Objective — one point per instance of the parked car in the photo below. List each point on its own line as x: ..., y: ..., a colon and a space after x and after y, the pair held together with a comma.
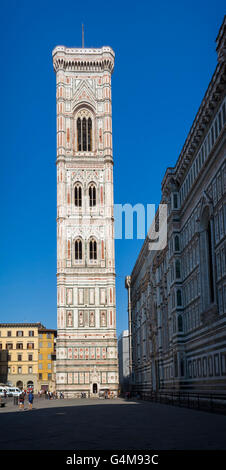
x: 3, y: 394
x: 13, y: 391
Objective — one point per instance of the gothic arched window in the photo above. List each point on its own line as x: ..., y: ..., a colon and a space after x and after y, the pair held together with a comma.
x: 92, y: 195
x: 79, y: 135
x: 78, y: 195
x: 92, y: 249
x: 210, y: 261
x: 89, y: 134
x: 177, y: 269
x: 78, y: 249
x: 180, y: 323
x: 176, y: 243
x: 207, y: 258
x: 179, y: 298
x: 84, y: 134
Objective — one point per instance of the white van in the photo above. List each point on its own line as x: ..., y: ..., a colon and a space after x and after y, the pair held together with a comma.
x: 13, y: 392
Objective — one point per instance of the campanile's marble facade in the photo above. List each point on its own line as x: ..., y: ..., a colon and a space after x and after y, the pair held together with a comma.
x: 86, y: 321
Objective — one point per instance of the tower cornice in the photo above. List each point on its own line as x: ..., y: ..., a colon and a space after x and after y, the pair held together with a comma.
x: 83, y: 59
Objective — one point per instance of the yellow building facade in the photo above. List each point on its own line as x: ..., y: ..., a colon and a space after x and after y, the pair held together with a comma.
x: 46, y: 359
x: 27, y: 356
x: 21, y: 341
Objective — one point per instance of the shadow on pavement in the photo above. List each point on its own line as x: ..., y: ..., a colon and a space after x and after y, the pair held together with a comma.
x: 109, y: 426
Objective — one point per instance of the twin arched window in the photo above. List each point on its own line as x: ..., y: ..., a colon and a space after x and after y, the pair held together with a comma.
x: 92, y: 249
x: 92, y: 195
x: 84, y: 134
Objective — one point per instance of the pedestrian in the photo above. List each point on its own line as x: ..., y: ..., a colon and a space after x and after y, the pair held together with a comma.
x: 21, y: 401
x: 30, y: 399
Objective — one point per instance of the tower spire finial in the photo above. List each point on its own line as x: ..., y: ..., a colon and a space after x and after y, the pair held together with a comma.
x: 83, y: 35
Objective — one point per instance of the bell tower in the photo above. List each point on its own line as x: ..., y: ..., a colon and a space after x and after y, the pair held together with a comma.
x: 86, y: 317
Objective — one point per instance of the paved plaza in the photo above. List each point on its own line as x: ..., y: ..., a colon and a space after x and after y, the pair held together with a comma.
x: 109, y: 424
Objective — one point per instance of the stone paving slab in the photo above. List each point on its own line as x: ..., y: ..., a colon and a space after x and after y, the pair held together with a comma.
x: 109, y: 424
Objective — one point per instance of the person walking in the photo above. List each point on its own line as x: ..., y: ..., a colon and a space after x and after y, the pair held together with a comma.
x: 21, y: 401
x: 30, y: 399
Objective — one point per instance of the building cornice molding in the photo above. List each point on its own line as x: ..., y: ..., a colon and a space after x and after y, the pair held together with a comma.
x: 83, y: 59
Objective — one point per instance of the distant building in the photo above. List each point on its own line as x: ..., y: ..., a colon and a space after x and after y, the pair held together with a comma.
x: 123, y: 360
x: 20, y: 340
x: 46, y: 359
x: 20, y: 346
x: 177, y: 296
x: 3, y: 365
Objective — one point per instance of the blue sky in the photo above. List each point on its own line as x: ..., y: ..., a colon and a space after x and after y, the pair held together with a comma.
x: 165, y: 57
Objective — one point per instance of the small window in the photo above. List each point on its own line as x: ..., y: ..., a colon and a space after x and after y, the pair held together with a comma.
x: 19, y: 370
x: 78, y: 249
x: 30, y: 357
x: 219, y: 121
x: 20, y: 333
x: 19, y: 357
x: 92, y: 249
x: 30, y: 345
x: 175, y: 201
x: 40, y: 376
x: 30, y: 369
x: 9, y: 334
x: 79, y: 135
x: 177, y: 243
x: 182, y: 367
x: 179, y: 298
x: 49, y: 376
x: 89, y: 134
x: 84, y: 135
x: 180, y: 323
x: 78, y: 195
x: 177, y: 268
x: 216, y: 129
x: 92, y: 195
x: 212, y: 136
x: 31, y: 333
x: 19, y: 346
